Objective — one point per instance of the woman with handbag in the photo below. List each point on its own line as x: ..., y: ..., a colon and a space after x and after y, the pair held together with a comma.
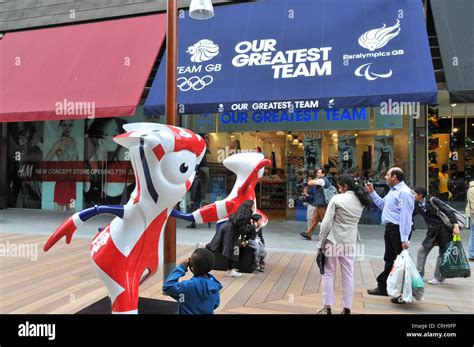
x: 438, y: 234
x: 338, y: 238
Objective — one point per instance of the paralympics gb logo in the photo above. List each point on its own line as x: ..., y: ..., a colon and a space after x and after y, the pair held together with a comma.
x: 377, y: 38
x: 195, y: 82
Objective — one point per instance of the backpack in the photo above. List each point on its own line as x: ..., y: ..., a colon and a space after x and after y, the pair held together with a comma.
x: 329, y: 193
x: 462, y: 222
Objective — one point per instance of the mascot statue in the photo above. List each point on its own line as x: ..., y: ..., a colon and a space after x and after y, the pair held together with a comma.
x: 125, y: 252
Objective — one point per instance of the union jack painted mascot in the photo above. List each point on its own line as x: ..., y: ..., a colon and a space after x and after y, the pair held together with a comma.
x: 125, y: 253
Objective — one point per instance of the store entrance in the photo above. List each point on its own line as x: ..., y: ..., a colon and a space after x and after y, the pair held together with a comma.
x: 450, y: 153
x: 271, y: 191
x: 294, y: 155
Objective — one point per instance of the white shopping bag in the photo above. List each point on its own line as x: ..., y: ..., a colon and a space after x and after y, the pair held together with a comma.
x: 417, y: 284
x: 404, y: 279
x: 407, y: 292
x: 396, y: 277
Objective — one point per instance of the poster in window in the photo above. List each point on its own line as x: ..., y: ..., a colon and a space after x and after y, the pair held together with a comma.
x: 111, y: 178
x: 347, y: 154
x: 312, y: 152
x: 25, y: 153
x: 383, y: 155
x: 62, y: 165
x: 218, y: 187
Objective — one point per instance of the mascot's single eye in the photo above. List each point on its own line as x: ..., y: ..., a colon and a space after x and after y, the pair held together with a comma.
x: 183, y: 168
x: 178, y: 167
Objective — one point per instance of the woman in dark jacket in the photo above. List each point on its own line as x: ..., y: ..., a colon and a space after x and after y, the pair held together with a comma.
x: 437, y: 234
x: 226, y: 239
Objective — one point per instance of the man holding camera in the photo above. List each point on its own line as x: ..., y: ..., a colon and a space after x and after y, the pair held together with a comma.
x: 397, y: 211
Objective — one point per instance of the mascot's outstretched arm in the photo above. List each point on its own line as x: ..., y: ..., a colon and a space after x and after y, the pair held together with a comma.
x: 71, y: 224
x: 209, y: 213
x: 250, y: 181
x: 249, y: 168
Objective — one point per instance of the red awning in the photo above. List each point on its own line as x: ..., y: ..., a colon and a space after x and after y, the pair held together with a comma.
x: 78, y: 71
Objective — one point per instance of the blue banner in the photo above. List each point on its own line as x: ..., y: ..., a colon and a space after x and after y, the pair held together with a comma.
x: 301, y: 55
x: 329, y: 119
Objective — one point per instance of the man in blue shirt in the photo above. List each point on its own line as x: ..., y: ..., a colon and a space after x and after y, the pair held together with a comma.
x: 397, y: 211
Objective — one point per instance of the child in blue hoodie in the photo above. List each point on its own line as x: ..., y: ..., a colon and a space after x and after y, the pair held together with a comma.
x: 200, y: 294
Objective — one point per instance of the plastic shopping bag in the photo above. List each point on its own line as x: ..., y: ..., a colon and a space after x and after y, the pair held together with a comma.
x: 454, y: 262
x: 396, y: 276
x: 407, y: 292
x: 417, y: 284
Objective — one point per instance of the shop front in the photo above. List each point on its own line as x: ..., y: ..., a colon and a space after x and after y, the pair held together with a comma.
x: 69, y: 165
x: 451, y: 121
x: 68, y: 90
x: 283, y: 80
x: 288, y: 80
x: 450, y: 150
x: 359, y: 141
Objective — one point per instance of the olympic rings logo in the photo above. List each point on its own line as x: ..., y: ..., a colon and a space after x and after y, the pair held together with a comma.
x: 194, y: 82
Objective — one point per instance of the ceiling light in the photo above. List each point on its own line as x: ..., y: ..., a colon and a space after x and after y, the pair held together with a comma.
x: 201, y: 9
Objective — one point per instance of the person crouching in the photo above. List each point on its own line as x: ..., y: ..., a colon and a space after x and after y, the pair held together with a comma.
x: 200, y: 294
x: 258, y: 243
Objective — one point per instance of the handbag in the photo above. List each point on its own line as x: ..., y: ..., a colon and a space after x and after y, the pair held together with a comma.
x: 320, y: 258
x: 460, y: 218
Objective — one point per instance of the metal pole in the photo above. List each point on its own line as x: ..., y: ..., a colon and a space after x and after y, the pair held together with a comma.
x: 169, y: 245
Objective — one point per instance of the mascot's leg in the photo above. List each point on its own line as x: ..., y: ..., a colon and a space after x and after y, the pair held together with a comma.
x: 124, y: 297
x: 127, y: 302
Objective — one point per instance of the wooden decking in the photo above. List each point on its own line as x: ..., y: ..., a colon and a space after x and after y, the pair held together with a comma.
x: 63, y: 281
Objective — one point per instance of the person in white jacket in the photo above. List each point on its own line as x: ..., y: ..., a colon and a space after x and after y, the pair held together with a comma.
x: 338, y: 238
x: 470, y: 213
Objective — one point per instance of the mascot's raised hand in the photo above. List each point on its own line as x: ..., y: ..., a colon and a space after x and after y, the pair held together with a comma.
x: 249, y: 169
